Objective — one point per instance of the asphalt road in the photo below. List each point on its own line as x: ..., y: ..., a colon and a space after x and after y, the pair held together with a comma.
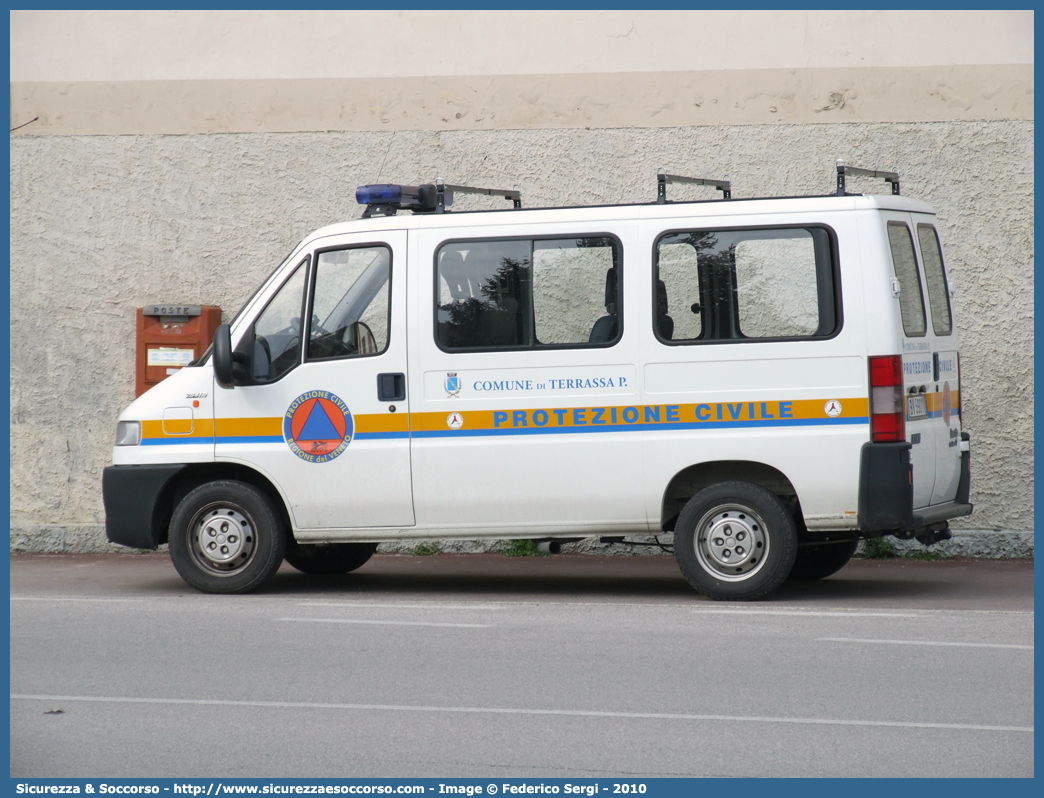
x: 485, y: 666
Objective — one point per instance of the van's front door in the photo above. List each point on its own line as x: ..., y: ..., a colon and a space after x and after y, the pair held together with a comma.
x: 324, y: 413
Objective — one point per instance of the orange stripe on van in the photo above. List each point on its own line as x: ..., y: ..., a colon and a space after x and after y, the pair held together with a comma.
x: 201, y: 428
x: 382, y: 422
x: 249, y: 427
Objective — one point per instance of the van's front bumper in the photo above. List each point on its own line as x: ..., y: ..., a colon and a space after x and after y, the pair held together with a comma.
x: 886, y: 491
x: 137, y: 503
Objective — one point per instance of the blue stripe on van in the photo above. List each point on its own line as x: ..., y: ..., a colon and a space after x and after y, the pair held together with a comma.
x: 797, y: 422
x: 470, y: 433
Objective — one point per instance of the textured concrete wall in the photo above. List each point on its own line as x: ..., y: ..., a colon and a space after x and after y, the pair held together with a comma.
x: 204, y: 45
x: 101, y: 225
x: 121, y: 72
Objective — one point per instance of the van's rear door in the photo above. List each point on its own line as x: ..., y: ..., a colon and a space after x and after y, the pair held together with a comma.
x: 945, y: 407
x: 918, y: 347
x: 933, y: 424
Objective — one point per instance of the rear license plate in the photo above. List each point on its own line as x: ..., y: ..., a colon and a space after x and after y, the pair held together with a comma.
x: 916, y: 406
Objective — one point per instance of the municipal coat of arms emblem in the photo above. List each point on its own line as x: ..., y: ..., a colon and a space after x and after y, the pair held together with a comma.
x: 452, y: 384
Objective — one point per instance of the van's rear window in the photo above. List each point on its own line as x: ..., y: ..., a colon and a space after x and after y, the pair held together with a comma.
x: 911, y: 300
x: 935, y: 276
x: 743, y: 284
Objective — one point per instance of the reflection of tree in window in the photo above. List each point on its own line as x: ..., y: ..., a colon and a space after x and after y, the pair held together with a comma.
x: 592, y: 242
x: 495, y: 317
x: 522, y: 293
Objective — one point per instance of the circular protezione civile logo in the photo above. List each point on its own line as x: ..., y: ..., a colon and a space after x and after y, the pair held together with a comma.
x: 318, y: 426
x: 832, y: 408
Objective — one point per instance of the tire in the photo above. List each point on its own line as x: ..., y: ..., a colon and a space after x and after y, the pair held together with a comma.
x: 754, y: 548
x: 207, y: 552
x: 332, y: 559
x: 818, y: 562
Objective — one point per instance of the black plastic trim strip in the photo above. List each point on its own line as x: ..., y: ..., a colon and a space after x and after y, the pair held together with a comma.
x: 940, y: 512
x: 964, y: 485
x: 885, y: 487
x: 132, y: 496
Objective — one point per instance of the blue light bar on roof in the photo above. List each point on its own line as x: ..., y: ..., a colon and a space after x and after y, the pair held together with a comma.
x: 421, y: 197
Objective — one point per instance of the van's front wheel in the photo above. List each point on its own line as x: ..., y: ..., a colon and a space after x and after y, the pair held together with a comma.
x: 735, y: 541
x: 226, y: 537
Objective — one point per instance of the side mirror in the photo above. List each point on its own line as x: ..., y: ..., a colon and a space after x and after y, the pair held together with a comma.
x: 359, y: 338
x: 223, y: 356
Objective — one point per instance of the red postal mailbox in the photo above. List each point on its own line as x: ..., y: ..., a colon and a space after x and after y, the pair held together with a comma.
x: 169, y: 338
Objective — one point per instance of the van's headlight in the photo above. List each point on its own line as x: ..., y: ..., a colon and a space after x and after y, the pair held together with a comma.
x: 128, y: 433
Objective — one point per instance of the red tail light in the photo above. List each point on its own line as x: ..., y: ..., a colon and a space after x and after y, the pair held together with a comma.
x: 887, y: 403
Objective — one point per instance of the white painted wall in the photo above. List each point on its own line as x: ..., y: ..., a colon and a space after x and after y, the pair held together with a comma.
x: 250, y: 45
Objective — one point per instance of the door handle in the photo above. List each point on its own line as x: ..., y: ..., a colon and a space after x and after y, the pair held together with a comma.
x: 391, y: 387
x: 935, y: 366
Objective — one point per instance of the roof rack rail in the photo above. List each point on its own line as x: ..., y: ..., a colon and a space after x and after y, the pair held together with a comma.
x: 842, y: 170
x: 662, y: 179
x: 386, y: 199
x: 442, y: 189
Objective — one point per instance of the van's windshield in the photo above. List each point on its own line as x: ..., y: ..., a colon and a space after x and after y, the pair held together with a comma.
x: 202, y: 359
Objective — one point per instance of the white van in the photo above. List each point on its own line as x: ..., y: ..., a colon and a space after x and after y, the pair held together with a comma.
x: 766, y: 381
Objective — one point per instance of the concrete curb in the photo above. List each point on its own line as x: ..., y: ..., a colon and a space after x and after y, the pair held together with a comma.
x: 982, y: 543
x: 57, y: 538
x: 90, y: 539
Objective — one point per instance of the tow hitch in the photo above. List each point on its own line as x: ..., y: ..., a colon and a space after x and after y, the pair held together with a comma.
x: 929, y: 534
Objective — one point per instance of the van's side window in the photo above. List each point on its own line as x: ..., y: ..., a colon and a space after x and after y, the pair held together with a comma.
x: 351, y: 303
x: 529, y: 293
x: 714, y: 285
x: 935, y: 276
x: 911, y: 300
x: 277, y: 331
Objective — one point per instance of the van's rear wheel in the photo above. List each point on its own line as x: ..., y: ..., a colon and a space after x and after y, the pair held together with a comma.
x: 735, y: 541
x: 821, y: 560
x: 332, y: 559
x: 226, y: 537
